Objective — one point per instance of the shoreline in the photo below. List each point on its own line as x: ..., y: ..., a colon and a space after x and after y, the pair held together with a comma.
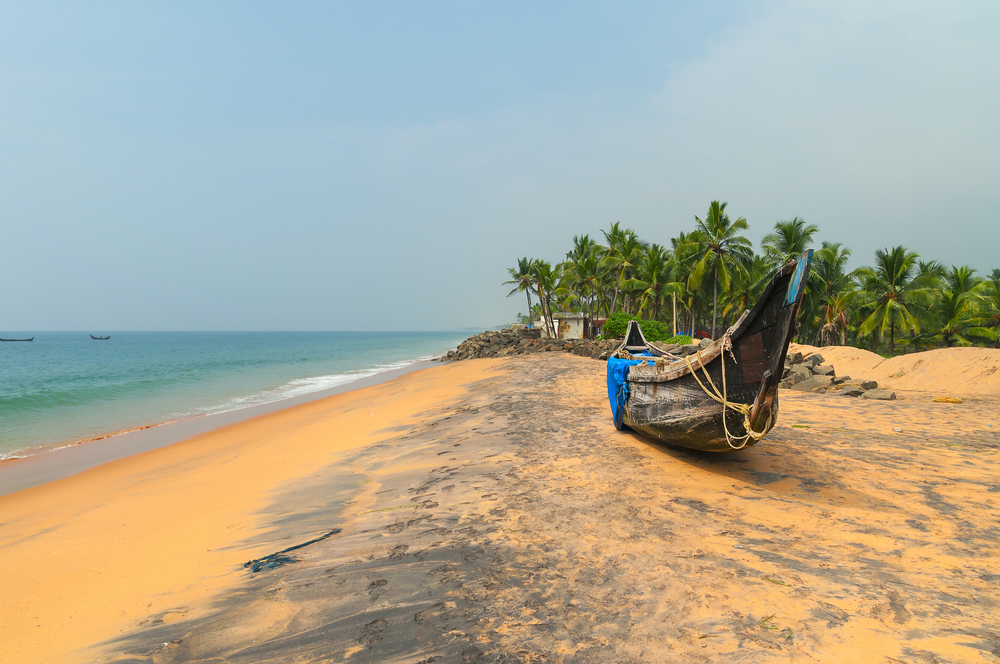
x: 63, y: 460
x: 167, y: 531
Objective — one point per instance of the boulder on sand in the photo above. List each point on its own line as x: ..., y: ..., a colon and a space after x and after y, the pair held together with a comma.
x: 851, y: 391
x: 813, y: 360
x: 796, y: 374
x: 823, y: 370
x: 879, y: 394
x: 813, y: 383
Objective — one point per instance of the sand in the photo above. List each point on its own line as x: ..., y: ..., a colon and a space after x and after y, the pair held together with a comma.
x: 971, y: 372
x: 95, y: 555
x: 490, y: 512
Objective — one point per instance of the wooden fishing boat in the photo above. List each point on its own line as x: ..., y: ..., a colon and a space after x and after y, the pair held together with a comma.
x: 31, y: 339
x: 100, y: 338
x: 723, y: 397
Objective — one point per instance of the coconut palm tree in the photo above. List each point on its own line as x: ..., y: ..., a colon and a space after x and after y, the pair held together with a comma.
x: 959, y: 308
x: 991, y: 305
x: 624, y: 252
x: 748, y: 282
x: 788, y: 240
x: 829, y: 265
x: 836, y: 314
x: 580, y: 271
x: 653, y: 280
x: 522, y: 279
x: 895, y: 293
x: 545, y: 280
x: 720, y: 246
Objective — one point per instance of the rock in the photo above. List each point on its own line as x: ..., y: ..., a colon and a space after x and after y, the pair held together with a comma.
x: 705, y: 343
x: 814, y: 360
x: 868, y: 384
x: 851, y: 391
x: 813, y: 383
x: 840, y: 380
x: 879, y: 394
x: 605, y: 354
x: 669, y: 348
x: 797, y: 374
x: 823, y: 370
x: 793, y: 358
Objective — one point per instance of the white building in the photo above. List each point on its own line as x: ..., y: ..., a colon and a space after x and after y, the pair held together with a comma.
x: 568, y: 325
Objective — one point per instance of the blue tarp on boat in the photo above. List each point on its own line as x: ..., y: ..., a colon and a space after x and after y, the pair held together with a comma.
x: 618, y: 387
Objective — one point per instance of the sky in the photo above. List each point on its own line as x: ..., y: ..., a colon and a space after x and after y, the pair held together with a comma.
x: 379, y: 166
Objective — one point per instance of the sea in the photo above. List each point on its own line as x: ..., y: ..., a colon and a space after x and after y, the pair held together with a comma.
x: 64, y: 387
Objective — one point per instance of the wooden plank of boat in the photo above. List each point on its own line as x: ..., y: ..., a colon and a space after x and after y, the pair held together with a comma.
x: 100, y: 338
x: 31, y: 339
x: 725, y: 396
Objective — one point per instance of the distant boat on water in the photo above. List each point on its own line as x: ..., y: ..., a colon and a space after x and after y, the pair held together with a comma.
x: 100, y: 338
x: 31, y: 339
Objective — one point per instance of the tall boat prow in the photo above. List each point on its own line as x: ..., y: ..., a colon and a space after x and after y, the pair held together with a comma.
x: 100, y: 338
x: 724, y: 397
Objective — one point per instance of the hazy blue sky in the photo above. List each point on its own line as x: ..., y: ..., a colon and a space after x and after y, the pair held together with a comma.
x: 379, y: 165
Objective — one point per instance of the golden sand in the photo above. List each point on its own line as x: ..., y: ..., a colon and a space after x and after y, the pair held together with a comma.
x: 489, y: 509
x: 89, y: 557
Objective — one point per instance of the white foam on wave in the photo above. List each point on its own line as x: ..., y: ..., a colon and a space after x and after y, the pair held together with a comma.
x: 301, y: 386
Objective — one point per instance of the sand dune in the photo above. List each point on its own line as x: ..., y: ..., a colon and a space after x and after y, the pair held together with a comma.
x: 944, y: 371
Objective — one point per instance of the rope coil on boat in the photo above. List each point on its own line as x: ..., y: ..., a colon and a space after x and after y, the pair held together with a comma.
x: 742, y: 408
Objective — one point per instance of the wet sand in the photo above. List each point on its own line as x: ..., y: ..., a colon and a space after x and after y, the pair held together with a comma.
x: 71, y: 458
x: 494, y: 514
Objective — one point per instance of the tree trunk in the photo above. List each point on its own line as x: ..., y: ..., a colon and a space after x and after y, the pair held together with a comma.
x: 892, y: 338
x: 531, y: 322
x: 674, y: 295
x: 547, y: 313
x: 715, y: 298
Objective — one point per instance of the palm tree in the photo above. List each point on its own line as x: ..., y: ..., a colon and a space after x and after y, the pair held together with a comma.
x: 624, y: 252
x: 522, y: 279
x: 720, y: 247
x: 654, y: 279
x: 749, y: 281
x: 581, y: 271
x: 895, y: 293
x: 959, y: 308
x: 829, y: 265
x: 788, y: 240
x: 836, y: 313
x: 992, y: 305
x: 545, y: 281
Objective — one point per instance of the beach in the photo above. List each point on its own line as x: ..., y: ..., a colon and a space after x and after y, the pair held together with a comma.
x: 487, y: 510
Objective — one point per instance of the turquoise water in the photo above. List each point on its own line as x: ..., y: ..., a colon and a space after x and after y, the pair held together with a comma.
x: 65, y: 387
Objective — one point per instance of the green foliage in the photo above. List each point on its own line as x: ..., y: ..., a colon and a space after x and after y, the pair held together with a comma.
x: 705, y: 277
x: 681, y: 339
x: 617, y: 323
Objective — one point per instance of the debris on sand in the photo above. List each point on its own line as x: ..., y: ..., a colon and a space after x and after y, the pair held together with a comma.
x: 275, y: 560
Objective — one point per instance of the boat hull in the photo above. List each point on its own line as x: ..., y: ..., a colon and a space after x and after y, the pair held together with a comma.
x: 681, y: 414
x: 669, y: 402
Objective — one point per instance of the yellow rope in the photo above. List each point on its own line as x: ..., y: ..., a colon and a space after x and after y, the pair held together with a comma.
x: 742, y: 408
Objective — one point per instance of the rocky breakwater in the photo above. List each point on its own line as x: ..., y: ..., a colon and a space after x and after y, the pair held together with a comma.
x: 520, y: 341
x: 810, y: 373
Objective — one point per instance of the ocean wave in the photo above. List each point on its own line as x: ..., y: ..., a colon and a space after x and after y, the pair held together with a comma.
x: 299, y: 387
